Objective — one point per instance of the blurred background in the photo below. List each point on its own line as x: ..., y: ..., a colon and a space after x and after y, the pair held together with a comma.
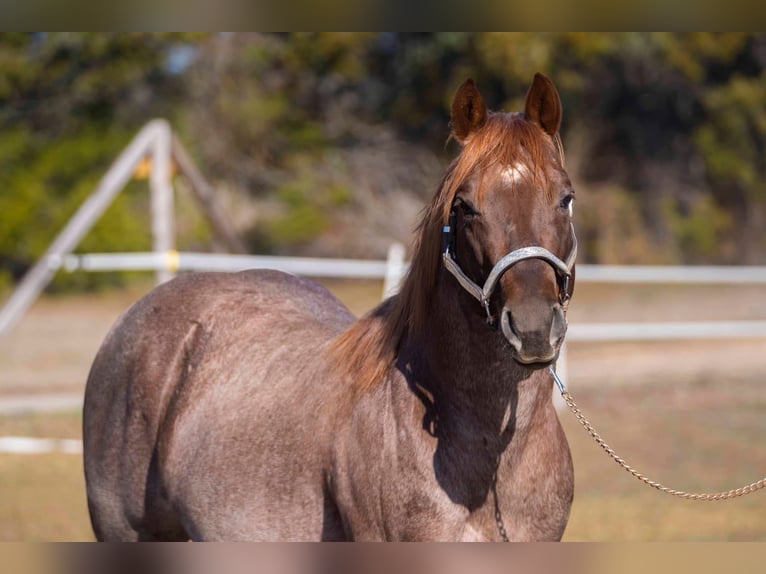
x: 329, y: 144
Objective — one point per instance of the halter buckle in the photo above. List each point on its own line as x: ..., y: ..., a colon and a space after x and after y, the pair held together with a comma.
x: 559, y: 383
x: 564, y: 296
x: 490, y: 318
x: 448, y: 234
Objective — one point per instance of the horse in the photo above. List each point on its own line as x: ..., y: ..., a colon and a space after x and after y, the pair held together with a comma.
x: 255, y: 406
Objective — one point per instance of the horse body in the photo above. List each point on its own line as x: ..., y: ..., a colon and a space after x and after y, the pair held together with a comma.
x: 271, y: 448
x: 252, y: 406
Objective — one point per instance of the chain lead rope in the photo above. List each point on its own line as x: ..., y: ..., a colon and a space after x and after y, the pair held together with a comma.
x: 706, y: 496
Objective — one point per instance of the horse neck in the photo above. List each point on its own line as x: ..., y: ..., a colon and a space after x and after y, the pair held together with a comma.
x: 466, y: 368
x: 480, y: 406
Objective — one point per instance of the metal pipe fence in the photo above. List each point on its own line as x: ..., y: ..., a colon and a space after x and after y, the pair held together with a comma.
x: 394, y: 269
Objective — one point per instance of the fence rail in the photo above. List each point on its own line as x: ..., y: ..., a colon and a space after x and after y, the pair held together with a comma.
x: 178, y: 261
x: 697, y: 274
x: 379, y: 269
x: 605, y: 332
x: 392, y: 270
x: 395, y: 267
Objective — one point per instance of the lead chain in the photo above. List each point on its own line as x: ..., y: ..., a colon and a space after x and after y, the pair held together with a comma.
x: 734, y: 493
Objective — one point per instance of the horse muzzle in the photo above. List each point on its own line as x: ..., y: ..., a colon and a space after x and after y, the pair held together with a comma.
x: 535, y: 335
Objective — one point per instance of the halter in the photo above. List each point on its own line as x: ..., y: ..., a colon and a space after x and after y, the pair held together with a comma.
x: 563, y: 269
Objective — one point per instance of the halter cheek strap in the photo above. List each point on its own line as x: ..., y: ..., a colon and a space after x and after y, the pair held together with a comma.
x: 483, y: 294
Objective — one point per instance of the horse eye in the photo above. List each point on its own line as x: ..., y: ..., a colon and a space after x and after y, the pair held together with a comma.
x: 566, y: 201
x: 468, y: 209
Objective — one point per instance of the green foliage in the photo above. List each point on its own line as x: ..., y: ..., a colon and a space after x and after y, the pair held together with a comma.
x: 733, y: 141
x: 700, y: 230
x: 610, y: 228
x: 301, y: 223
x: 671, y: 130
x: 338, y: 196
x: 305, y: 205
x: 6, y: 282
x: 68, y: 104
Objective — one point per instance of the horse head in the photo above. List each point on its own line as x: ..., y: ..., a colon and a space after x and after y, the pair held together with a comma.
x: 508, y: 237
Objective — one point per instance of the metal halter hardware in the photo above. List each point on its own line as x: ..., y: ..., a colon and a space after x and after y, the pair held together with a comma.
x: 483, y: 294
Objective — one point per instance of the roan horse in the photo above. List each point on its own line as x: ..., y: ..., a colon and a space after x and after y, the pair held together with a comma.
x: 252, y: 406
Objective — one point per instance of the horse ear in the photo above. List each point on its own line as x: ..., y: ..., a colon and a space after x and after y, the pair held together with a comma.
x: 468, y: 111
x: 543, y: 105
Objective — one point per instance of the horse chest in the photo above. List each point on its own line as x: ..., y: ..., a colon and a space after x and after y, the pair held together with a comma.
x: 527, y: 502
x: 535, y: 488
x: 410, y: 485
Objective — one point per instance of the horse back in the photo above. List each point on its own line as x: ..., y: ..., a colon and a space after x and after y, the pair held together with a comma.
x: 195, y: 375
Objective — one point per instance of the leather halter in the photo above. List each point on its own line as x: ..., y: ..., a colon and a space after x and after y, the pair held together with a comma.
x: 483, y: 294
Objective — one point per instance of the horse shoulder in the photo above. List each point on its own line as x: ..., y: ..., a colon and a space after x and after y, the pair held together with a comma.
x: 544, y: 472
x: 383, y: 476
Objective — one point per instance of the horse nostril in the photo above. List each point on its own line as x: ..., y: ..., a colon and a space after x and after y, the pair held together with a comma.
x: 506, y: 324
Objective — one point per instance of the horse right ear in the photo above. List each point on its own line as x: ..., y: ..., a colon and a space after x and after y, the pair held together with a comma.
x: 468, y: 111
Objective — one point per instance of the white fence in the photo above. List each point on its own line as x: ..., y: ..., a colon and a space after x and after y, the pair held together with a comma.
x: 30, y: 445
x: 392, y: 270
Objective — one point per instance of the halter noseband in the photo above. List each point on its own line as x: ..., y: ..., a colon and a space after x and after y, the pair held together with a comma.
x: 563, y: 269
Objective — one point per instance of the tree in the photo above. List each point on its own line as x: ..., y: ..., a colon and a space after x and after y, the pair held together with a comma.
x: 68, y: 104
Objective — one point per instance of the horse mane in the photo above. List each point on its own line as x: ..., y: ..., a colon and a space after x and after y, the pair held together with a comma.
x: 368, y: 348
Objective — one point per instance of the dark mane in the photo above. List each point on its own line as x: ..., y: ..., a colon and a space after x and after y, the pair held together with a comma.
x: 369, y: 347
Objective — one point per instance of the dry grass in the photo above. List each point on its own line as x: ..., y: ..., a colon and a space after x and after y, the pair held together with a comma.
x: 698, y: 428
x: 59, y: 425
x: 689, y: 436
x: 42, y: 497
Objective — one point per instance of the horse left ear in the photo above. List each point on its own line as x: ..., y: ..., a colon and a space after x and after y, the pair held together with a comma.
x: 468, y: 111
x: 543, y: 105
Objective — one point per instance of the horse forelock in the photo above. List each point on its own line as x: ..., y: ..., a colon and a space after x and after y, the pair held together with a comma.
x: 507, y: 140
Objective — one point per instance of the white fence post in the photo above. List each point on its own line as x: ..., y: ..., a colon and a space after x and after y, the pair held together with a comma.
x: 110, y: 185
x: 394, y: 270
x: 161, y: 189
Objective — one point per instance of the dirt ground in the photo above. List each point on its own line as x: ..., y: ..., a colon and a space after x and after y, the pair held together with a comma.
x: 689, y: 414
